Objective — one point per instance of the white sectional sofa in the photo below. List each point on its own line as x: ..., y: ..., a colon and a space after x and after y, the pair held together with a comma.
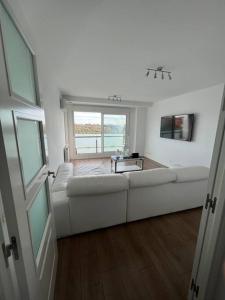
x: 84, y: 203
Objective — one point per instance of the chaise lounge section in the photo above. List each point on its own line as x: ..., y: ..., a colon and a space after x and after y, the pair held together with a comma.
x: 162, y: 191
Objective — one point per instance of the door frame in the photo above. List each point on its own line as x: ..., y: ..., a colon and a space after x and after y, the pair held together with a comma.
x: 9, y: 288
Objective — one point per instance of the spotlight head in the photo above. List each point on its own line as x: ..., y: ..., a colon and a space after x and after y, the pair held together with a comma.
x: 169, y: 75
x: 155, y: 76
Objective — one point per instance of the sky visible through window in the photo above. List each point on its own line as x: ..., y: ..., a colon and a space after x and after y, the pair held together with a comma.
x: 87, y: 118
x: 95, y: 118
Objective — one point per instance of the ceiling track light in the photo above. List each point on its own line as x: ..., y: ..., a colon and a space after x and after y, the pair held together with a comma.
x: 115, y: 98
x: 160, y: 71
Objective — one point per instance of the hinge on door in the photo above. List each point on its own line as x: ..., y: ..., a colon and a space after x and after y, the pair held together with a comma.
x: 9, y: 250
x: 195, y: 288
x: 209, y: 203
x: 213, y: 204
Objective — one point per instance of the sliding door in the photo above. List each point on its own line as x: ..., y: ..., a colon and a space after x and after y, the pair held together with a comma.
x: 87, y: 132
x: 99, y: 133
x: 114, y: 134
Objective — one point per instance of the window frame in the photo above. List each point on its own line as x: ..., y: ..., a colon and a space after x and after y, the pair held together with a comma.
x: 104, y: 111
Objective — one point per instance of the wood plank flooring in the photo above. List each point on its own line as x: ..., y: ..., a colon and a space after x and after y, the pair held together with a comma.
x: 103, y: 166
x: 148, y: 259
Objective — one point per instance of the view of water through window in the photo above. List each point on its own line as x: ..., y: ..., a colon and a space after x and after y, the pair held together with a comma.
x: 96, y: 132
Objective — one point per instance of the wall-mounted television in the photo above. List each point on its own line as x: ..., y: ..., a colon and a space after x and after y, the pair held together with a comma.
x: 177, y: 127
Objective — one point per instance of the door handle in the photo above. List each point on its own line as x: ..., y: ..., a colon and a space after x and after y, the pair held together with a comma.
x: 51, y: 173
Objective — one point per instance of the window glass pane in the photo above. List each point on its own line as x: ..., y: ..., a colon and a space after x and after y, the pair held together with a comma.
x: 87, y: 128
x: 38, y: 215
x: 114, y: 133
x: 19, y: 59
x: 30, y: 148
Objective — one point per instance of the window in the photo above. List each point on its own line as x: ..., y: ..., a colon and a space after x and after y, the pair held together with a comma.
x: 97, y: 132
x: 87, y: 129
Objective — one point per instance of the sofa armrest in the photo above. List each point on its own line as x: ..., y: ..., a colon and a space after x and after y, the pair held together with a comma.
x: 65, y: 171
x: 61, y: 212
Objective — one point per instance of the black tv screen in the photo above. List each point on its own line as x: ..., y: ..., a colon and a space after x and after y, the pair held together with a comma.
x: 177, y: 127
x: 167, y: 127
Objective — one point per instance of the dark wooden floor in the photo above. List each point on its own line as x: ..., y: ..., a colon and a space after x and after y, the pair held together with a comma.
x: 103, y: 166
x: 148, y: 259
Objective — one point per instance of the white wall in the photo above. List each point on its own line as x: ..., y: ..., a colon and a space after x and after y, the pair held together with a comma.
x: 205, y: 104
x: 55, y: 130
x: 138, y: 126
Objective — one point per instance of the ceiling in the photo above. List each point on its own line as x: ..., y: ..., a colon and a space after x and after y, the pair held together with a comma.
x: 96, y: 48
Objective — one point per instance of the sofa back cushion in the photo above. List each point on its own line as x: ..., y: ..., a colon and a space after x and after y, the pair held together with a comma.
x: 96, y: 184
x: 65, y: 171
x: 150, y: 177
x: 195, y: 173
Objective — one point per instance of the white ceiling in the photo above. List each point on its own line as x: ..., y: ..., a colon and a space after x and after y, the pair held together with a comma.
x: 96, y: 48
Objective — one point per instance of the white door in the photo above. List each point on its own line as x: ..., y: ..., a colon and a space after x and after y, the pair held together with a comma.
x: 212, y: 218
x: 24, y: 174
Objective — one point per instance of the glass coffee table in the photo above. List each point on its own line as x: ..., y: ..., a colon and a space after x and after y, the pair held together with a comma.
x: 121, y: 164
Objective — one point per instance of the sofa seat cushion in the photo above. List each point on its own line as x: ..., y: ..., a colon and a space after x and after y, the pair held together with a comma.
x: 191, y: 173
x: 65, y: 171
x: 150, y: 177
x: 96, y: 184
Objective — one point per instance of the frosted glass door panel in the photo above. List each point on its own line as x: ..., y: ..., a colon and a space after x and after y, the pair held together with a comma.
x: 38, y: 215
x: 19, y: 59
x: 30, y: 148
